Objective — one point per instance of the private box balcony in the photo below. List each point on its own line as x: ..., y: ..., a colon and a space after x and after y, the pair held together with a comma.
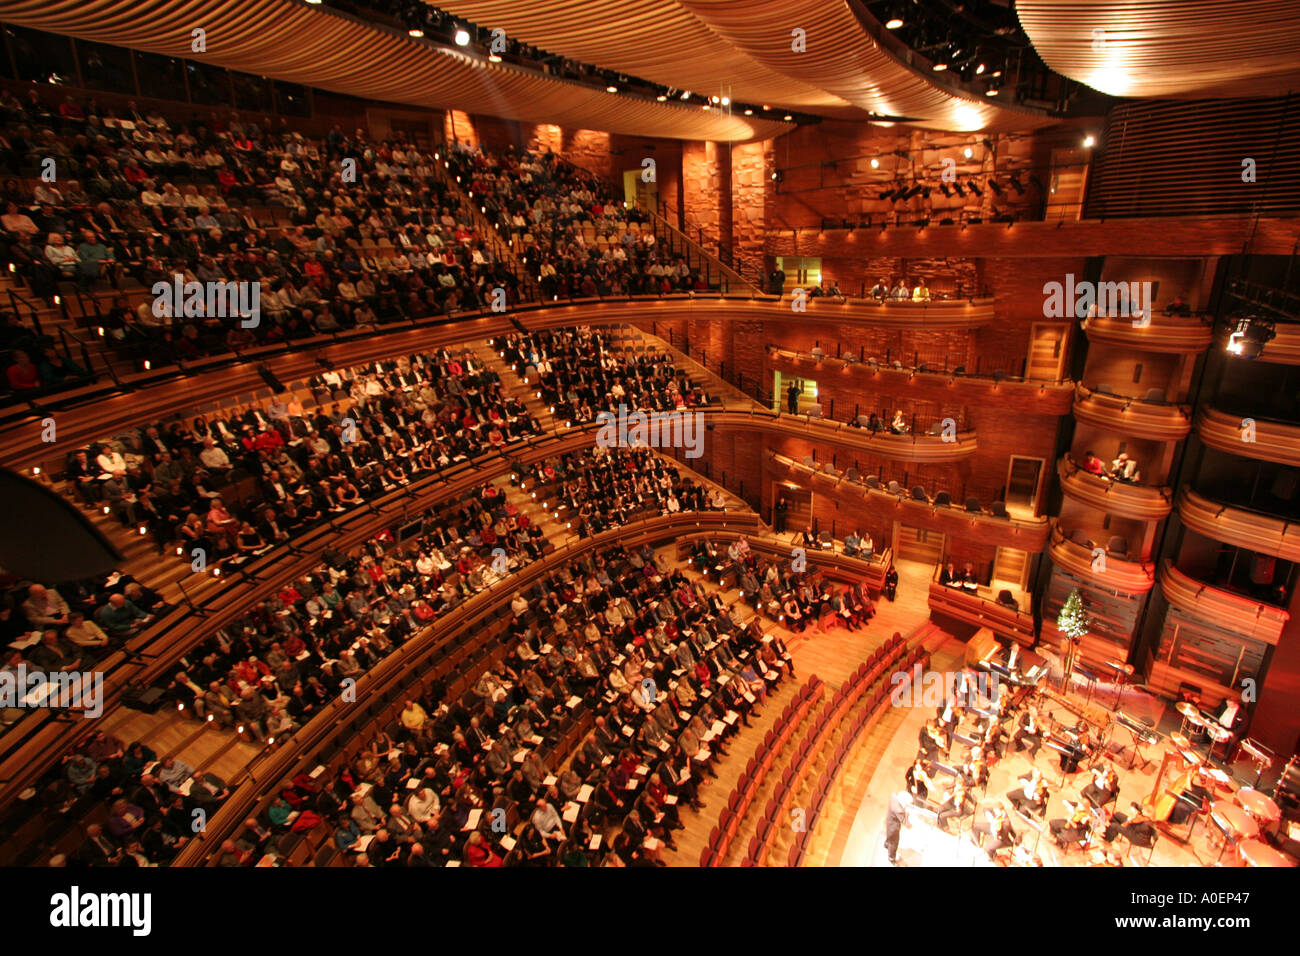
x: 906, y: 447
x: 982, y: 609
x: 1223, y: 609
x: 1253, y: 530
x: 1163, y: 333
x: 967, y: 520
x: 1014, y: 394
x: 1106, y: 567
x: 1150, y: 417
x: 1261, y: 438
x: 1140, y: 502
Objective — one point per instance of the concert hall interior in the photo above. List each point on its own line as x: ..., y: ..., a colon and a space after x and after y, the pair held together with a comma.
x: 783, y: 433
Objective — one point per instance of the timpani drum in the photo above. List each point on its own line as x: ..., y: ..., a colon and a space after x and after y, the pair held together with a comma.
x: 1261, y: 808
x: 1236, y: 822
x: 1259, y: 853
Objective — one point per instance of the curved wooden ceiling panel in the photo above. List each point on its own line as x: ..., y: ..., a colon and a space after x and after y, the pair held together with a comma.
x: 655, y: 40
x: 302, y: 44
x: 708, y: 45
x: 1169, y: 47
x: 843, y: 59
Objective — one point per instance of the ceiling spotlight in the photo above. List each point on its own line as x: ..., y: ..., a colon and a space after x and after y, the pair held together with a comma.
x: 787, y: 117
x: 766, y: 107
x: 939, y: 67
x: 749, y: 112
x: 1089, y: 141
x: 726, y: 101
x: 493, y: 58
x: 686, y: 94
x: 713, y: 99
x: 708, y: 106
x: 462, y: 37
x: 416, y: 32
x: 979, y: 70
x: 995, y: 74
x: 968, y: 152
x: 611, y: 89
x: 893, y: 23
x: 991, y: 91
x: 661, y: 98
x: 875, y: 164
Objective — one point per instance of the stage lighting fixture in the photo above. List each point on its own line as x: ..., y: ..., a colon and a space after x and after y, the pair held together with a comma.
x: 943, y: 188
x: 875, y: 164
x: 415, y: 32
x: 893, y: 23
x: 1089, y: 141
x: 960, y: 191
x: 661, y: 98
x: 611, y: 89
x: 1250, y: 336
x: 993, y: 185
x: 788, y: 117
x: 749, y: 112
x: 975, y: 189
x: 968, y: 152
x: 939, y: 67
x: 979, y: 70
x: 462, y: 37
x: 686, y: 94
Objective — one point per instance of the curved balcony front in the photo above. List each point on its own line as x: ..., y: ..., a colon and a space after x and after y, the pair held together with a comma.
x: 1135, y: 417
x: 1024, y: 534
x: 1096, y: 565
x: 909, y: 447
x: 1223, y: 609
x: 1261, y: 438
x: 1033, y: 396
x: 1253, y: 530
x: 1140, y: 502
x: 1185, y: 335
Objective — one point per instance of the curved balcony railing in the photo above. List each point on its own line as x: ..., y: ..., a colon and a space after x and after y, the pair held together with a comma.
x: 1025, y: 534
x: 1261, y: 438
x: 1120, y: 498
x: 1097, y: 565
x: 1185, y: 335
x: 1232, y: 524
x: 1029, y: 395
x: 1223, y: 609
x: 1147, y: 418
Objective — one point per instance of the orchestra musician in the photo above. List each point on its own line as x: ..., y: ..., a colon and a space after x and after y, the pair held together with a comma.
x: 1076, y: 747
x: 954, y: 803
x: 997, y: 828
x: 1029, y: 732
x: 993, y: 734
x: 1104, y: 787
x: 1137, y: 827
x: 975, y: 770
x: 1074, y: 828
x: 947, y: 717
x: 1032, y: 796
x: 933, y: 741
x: 919, y: 781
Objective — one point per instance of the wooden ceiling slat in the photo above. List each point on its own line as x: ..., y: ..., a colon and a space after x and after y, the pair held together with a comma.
x: 1169, y: 48
x: 293, y: 42
x: 708, y: 45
